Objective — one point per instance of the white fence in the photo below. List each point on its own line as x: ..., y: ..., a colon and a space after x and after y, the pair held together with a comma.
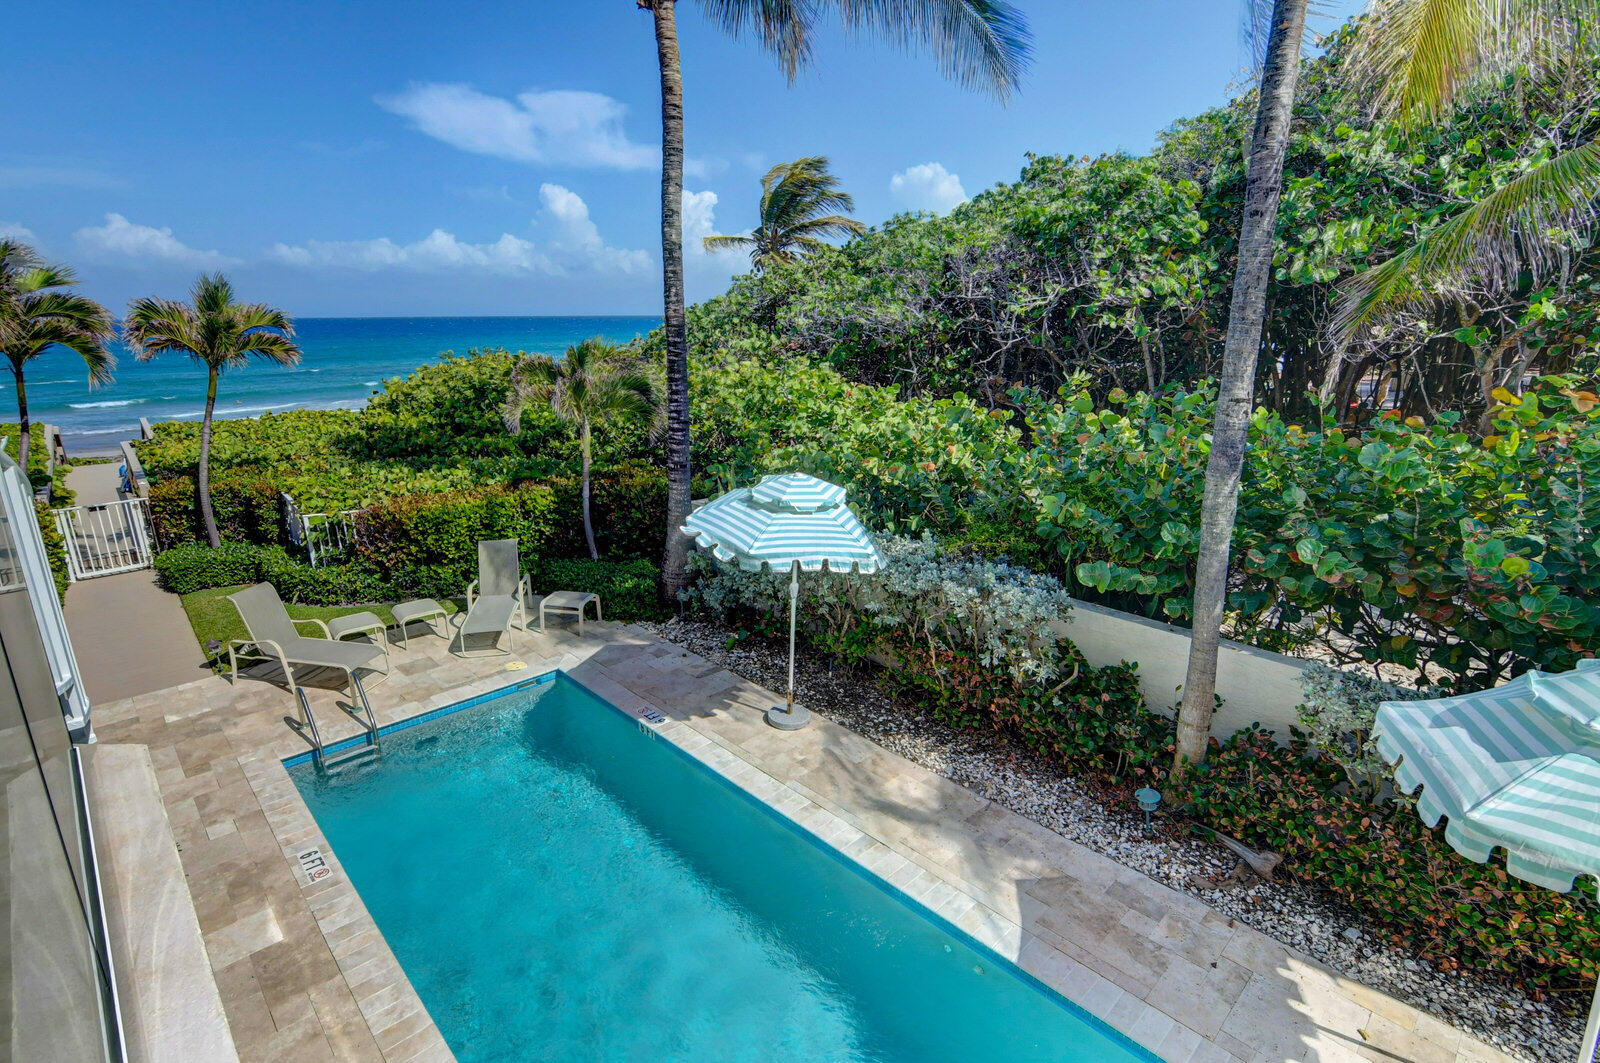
x: 325, y: 537
x: 103, y: 540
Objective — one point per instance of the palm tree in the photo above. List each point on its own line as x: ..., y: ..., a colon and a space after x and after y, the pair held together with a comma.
x: 1236, y: 395
x: 977, y: 42
x: 584, y: 387
x: 36, y: 314
x: 219, y: 334
x: 796, y: 198
x: 1413, y: 59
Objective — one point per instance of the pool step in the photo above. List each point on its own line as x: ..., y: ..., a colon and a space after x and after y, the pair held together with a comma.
x: 350, y: 760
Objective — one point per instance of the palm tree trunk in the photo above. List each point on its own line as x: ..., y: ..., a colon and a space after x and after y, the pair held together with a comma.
x: 1246, y: 316
x: 22, y: 419
x: 675, y: 554
x: 588, y: 527
x: 203, y: 472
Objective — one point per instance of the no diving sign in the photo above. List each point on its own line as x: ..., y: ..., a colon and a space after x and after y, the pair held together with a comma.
x: 313, y: 868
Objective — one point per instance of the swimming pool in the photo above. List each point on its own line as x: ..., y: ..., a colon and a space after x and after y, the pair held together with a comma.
x: 559, y: 884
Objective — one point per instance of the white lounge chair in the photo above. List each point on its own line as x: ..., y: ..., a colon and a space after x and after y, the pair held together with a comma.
x: 498, y: 595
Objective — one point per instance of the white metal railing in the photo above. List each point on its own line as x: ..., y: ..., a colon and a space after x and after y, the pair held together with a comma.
x: 324, y: 537
x: 103, y: 540
x: 23, y: 562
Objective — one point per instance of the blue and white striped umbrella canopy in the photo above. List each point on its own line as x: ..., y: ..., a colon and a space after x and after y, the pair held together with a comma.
x: 1514, y: 768
x: 782, y: 520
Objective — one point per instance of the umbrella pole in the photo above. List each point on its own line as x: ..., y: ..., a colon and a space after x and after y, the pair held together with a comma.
x: 1591, y: 1031
x: 791, y: 718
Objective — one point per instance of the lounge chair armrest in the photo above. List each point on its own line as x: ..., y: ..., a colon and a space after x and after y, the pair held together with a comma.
x: 313, y: 620
x: 472, y: 592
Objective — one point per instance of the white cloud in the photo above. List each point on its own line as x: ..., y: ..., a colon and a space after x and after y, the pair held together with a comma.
x: 10, y: 230
x: 928, y: 187
x: 574, y: 246
x: 558, y: 126
x: 578, y: 236
x: 699, y: 220
x: 439, y: 251
x: 120, y: 238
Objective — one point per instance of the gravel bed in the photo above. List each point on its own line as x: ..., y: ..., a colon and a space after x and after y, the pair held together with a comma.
x: 1298, y: 916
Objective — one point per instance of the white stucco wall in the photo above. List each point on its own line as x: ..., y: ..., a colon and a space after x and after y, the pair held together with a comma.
x: 1257, y: 686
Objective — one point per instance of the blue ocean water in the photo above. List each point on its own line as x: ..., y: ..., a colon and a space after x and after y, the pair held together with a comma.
x: 560, y: 885
x: 344, y: 361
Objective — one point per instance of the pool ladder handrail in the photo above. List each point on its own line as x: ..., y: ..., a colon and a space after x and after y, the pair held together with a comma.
x: 319, y: 753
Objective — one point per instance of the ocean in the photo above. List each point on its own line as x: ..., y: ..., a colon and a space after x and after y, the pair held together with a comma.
x: 343, y: 361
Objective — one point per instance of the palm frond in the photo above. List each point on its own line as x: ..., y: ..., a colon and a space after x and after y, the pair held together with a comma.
x: 1529, y: 225
x: 533, y: 377
x: 720, y: 242
x: 1412, y: 59
x: 828, y: 225
x: 156, y: 326
x: 274, y: 347
x: 977, y: 43
x: 782, y: 27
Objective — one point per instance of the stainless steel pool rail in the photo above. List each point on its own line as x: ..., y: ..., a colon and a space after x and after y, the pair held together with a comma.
x: 307, y: 728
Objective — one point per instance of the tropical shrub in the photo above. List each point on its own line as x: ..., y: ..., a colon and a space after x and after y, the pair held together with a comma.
x: 1409, y: 543
x: 1380, y: 858
x: 247, y: 504
x: 973, y: 640
x: 628, y: 590
x: 55, y: 547
x: 629, y: 507
x: 911, y: 465
x: 346, y: 584
x: 427, y: 545
x: 196, y: 566
x: 1339, y: 712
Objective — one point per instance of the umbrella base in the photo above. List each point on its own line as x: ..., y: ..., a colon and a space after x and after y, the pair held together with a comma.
x: 788, y: 721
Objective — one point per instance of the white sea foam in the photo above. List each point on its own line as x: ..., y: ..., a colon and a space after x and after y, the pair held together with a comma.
x: 107, y: 405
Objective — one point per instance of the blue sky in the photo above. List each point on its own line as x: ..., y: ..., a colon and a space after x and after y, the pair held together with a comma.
x: 435, y: 159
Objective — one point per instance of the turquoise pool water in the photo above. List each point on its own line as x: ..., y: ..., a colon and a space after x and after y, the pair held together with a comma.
x: 560, y: 885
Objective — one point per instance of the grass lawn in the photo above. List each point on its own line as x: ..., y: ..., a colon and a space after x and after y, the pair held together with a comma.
x: 213, y: 617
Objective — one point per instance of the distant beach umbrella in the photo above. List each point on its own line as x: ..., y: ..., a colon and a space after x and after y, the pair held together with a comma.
x: 1514, y: 768
x: 792, y: 521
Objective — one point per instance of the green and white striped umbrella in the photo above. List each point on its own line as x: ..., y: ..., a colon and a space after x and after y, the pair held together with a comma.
x: 1514, y: 768
x: 795, y: 522
x: 785, y: 520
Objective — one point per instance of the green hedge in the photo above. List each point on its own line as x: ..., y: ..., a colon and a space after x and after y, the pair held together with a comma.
x: 628, y: 590
x: 246, y: 502
x: 196, y: 567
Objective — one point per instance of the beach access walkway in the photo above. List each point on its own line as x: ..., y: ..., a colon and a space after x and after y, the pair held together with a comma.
x: 130, y: 636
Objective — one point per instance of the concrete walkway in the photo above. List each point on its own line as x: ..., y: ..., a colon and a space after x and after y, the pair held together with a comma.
x: 130, y: 636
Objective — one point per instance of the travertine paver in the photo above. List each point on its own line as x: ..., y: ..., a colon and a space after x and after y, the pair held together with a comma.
x: 304, y: 973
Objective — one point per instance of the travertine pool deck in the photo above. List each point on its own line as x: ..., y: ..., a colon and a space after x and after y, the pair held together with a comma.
x: 304, y: 974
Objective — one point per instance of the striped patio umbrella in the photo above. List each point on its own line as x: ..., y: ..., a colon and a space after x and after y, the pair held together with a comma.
x: 795, y: 522
x: 1514, y: 768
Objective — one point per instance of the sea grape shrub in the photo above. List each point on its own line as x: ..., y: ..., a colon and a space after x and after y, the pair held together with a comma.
x: 912, y: 465
x: 1408, y: 543
x: 1382, y: 859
